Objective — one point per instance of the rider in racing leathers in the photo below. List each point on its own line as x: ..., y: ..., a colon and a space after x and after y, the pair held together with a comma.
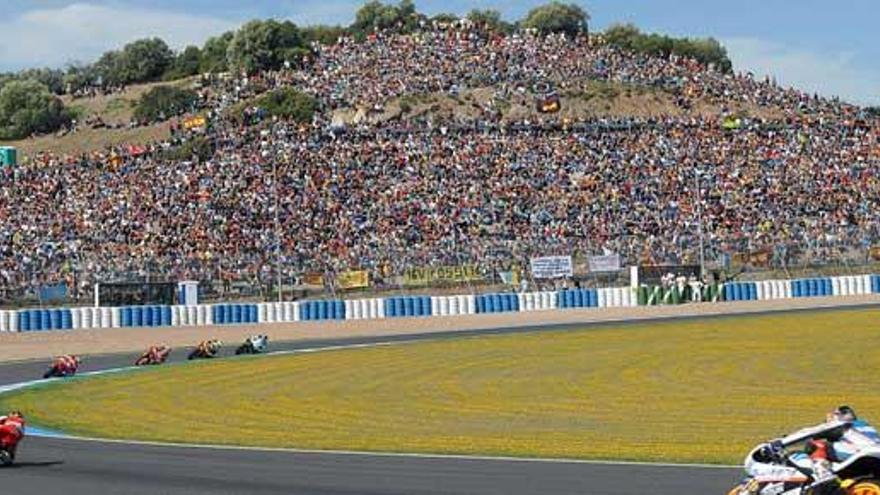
x: 66, y: 365
x: 12, y: 430
x: 845, y: 433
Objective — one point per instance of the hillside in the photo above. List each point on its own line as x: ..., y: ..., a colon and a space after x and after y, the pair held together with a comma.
x: 102, y: 120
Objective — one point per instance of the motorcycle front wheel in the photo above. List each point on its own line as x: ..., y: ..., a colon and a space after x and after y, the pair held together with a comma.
x: 5, y: 458
x: 869, y: 486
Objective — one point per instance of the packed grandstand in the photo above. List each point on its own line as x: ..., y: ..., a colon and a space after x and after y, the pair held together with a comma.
x: 390, y: 174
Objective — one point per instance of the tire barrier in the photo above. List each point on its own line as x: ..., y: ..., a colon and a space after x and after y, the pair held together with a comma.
x: 321, y: 310
x: 767, y: 290
x: 812, y: 287
x: 31, y: 320
x: 8, y: 321
x: 35, y: 320
x: 406, y: 306
x: 497, y: 303
x: 577, y: 298
x: 853, y: 285
x: 231, y: 314
x: 537, y: 301
x: 453, y: 305
x: 739, y: 291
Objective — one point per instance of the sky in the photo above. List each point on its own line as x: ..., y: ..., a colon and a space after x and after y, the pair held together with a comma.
x: 826, y: 46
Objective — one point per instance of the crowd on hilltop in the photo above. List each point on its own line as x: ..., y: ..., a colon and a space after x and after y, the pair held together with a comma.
x: 427, y: 191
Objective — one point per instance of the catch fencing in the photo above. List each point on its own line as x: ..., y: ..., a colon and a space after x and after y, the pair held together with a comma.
x: 35, y: 320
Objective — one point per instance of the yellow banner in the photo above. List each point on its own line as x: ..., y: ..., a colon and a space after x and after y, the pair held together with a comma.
x: 427, y: 275
x: 313, y: 279
x: 194, y: 122
x: 353, y: 280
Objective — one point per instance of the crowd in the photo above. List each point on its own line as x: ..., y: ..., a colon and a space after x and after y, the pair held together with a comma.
x: 320, y: 198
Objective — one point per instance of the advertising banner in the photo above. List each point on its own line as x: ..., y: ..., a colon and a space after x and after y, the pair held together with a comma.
x: 552, y: 267
x: 607, y: 263
x: 354, y: 279
x: 428, y: 275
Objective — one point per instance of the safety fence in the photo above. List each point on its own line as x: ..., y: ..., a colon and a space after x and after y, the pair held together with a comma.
x: 30, y: 320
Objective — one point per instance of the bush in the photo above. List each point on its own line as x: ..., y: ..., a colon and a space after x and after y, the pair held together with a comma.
x: 27, y: 107
x: 163, y: 102
x: 288, y: 103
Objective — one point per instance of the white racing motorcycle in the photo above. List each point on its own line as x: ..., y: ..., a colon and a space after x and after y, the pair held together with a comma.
x: 255, y: 344
x: 793, y: 472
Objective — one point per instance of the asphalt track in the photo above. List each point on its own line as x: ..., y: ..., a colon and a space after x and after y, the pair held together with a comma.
x: 52, y: 465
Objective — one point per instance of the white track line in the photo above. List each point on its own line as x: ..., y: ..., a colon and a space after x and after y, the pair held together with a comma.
x: 413, y: 455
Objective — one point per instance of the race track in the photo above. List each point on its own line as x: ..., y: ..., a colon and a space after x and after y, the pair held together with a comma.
x: 51, y: 465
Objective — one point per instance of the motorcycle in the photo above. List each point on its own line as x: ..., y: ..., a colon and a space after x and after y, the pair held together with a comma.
x: 63, y: 366
x: 206, y: 350
x: 154, y: 355
x: 819, y: 473
x: 256, y: 344
x: 9, y: 438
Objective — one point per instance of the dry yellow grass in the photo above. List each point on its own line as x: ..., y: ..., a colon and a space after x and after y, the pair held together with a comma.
x: 697, y: 391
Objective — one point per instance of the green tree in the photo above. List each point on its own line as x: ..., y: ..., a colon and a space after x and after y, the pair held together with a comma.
x: 214, y: 53
x: 27, y: 107
x: 376, y: 16
x: 108, y: 69
x: 704, y: 50
x: 186, y: 64
x: 289, y: 103
x: 145, y: 60
x: 53, y: 79
x: 265, y: 45
x: 444, y: 18
x: 489, y: 19
x: 557, y: 17
x: 325, y: 35
x: 163, y: 102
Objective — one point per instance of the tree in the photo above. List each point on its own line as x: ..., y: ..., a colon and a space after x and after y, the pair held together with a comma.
x: 488, y: 19
x: 444, y: 18
x: 557, y: 17
x: 325, y: 35
x: 265, y: 45
x: 214, y: 53
x: 27, y: 107
x: 163, y: 102
x: 186, y: 64
x: 376, y: 16
x: 705, y: 50
x: 289, y: 103
x: 108, y: 69
x: 145, y: 60
x: 53, y: 79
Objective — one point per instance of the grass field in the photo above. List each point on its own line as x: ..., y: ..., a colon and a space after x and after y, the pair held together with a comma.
x: 693, y: 391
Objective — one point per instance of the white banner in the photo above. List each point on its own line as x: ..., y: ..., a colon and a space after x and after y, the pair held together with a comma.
x: 552, y: 267
x: 607, y: 263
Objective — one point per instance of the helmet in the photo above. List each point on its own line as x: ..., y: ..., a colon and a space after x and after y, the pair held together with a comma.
x: 15, y: 414
x: 844, y: 413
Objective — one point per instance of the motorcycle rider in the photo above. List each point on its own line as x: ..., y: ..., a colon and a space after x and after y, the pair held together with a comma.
x: 66, y: 365
x: 842, y: 435
x: 11, y: 431
x: 157, y: 353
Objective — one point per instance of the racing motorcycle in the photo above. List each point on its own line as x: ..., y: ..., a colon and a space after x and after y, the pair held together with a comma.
x: 206, y: 350
x: 818, y: 472
x: 255, y: 344
x: 156, y: 354
x: 11, y: 433
x: 63, y: 366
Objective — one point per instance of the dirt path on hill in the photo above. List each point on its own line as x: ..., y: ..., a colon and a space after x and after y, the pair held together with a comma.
x: 33, y: 345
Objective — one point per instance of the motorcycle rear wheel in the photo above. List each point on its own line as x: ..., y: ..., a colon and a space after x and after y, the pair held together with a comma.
x: 870, y: 486
x: 5, y: 458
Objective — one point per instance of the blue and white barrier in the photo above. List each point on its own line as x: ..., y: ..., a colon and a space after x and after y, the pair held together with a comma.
x: 34, y: 320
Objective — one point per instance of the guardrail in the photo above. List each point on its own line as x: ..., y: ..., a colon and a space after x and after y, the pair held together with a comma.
x: 35, y: 320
